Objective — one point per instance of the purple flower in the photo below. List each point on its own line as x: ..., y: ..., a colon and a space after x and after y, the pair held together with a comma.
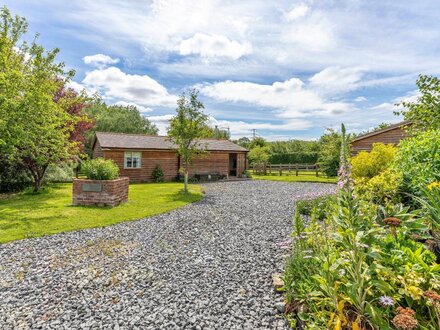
x: 386, y: 301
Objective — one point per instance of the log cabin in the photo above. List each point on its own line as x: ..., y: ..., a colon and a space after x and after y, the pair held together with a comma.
x: 392, y: 134
x: 137, y: 155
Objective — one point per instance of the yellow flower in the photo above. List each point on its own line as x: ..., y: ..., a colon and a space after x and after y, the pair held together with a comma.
x: 434, y: 185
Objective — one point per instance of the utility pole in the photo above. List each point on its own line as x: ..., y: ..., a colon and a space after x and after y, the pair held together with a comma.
x: 254, y: 133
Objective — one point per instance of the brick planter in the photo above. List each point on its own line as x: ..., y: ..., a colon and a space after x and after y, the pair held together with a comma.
x: 100, y: 192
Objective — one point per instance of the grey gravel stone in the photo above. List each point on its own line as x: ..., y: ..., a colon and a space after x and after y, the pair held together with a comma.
x: 207, y: 265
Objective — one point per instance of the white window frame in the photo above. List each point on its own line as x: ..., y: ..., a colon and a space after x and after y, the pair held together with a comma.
x: 130, y: 154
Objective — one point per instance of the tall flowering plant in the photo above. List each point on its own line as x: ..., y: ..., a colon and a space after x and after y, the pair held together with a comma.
x: 345, y: 181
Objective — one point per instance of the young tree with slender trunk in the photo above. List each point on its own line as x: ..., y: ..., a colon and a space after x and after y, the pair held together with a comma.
x: 187, y: 128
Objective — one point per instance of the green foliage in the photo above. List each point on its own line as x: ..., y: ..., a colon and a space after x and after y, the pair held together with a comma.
x: 382, y: 188
x: 329, y: 153
x: 430, y: 201
x: 294, y: 158
x: 60, y: 173
x: 158, y: 174
x: 100, y: 169
x: 369, y: 164
x: 258, y: 155
x: 418, y: 160
x: 425, y: 112
x: 244, y: 142
x: 13, y: 175
x: 118, y: 119
x: 187, y: 128
x: 35, y: 125
x: 320, y: 206
x: 258, y: 142
x: 341, y: 269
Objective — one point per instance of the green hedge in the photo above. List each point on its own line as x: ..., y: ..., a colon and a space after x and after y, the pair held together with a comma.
x: 294, y: 158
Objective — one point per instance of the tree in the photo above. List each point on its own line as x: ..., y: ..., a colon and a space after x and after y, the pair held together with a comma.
x: 117, y: 118
x: 258, y: 155
x: 35, y: 129
x: 244, y: 142
x: 329, y: 153
x: 425, y: 112
x: 257, y: 142
x: 75, y: 103
x: 187, y: 128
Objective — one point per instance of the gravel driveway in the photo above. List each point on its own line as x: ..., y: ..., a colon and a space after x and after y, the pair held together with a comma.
x: 207, y: 265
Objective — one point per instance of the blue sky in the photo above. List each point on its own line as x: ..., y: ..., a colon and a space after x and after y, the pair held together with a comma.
x: 288, y: 69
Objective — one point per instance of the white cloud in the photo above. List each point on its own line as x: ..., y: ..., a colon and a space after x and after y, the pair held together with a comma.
x: 289, y: 99
x: 162, y: 122
x: 100, y: 60
x: 297, y: 12
x: 75, y: 86
x: 214, y: 46
x: 360, y: 99
x: 337, y: 79
x: 116, y: 85
x: 141, y: 108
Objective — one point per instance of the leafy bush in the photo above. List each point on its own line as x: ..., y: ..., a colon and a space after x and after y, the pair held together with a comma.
x: 382, y: 188
x: 321, y: 206
x: 13, y: 176
x: 328, y: 159
x: 369, y: 164
x: 258, y: 155
x: 60, y: 173
x: 100, y: 169
x: 158, y: 174
x: 418, y: 160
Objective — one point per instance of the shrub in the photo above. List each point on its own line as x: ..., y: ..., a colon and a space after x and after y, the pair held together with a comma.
x: 382, y: 188
x: 158, y: 174
x: 59, y: 173
x: 321, y: 206
x: 328, y: 159
x: 418, y: 160
x: 258, y: 155
x: 369, y: 164
x: 13, y: 176
x: 100, y: 169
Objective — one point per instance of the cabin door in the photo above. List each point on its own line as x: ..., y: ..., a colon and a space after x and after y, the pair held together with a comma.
x: 232, y: 164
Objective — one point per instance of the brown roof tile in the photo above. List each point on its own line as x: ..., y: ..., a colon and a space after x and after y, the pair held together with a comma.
x: 142, y: 141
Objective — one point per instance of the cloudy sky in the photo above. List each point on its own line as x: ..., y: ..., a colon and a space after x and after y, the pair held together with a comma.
x: 288, y: 69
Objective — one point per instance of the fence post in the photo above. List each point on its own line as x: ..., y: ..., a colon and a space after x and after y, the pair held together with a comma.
x: 316, y: 167
x: 289, y: 168
x: 281, y: 170
x: 270, y: 168
x: 296, y: 167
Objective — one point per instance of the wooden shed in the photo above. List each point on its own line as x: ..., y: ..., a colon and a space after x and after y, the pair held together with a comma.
x: 388, y: 135
x: 137, y: 155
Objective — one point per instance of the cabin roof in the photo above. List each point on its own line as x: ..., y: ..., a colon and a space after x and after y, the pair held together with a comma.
x: 109, y: 140
x: 383, y: 130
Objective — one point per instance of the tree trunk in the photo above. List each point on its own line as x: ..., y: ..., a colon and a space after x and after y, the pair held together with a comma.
x: 185, y: 180
x: 38, y: 174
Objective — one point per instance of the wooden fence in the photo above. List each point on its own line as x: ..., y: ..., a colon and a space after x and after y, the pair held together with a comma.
x: 289, y: 168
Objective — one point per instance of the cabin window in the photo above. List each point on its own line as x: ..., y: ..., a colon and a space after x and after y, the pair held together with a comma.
x: 132, y: 159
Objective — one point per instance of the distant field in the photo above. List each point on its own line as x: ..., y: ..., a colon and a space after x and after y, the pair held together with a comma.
x: 302, y: 177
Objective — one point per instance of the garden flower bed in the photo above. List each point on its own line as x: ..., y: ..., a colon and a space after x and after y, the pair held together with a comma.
x: 367, y: 261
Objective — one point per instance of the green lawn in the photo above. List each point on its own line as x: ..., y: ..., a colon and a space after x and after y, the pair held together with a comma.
x: 302, y: 177
x: 49, y: 212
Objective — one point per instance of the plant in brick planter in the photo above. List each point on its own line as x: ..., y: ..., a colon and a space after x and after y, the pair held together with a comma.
x: 103, y: 187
